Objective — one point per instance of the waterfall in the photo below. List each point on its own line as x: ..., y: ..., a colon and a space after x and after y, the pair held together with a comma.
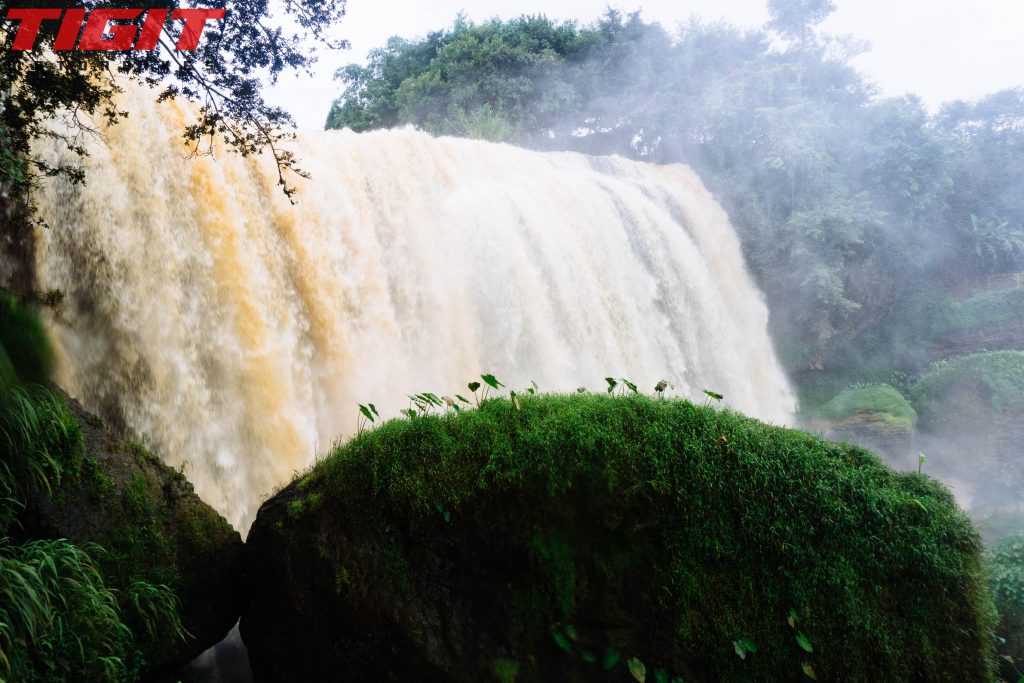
x: 237, y: 332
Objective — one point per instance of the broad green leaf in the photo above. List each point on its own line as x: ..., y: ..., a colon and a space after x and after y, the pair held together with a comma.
x: 366, y: 412
x: 588, y: 656
x: 611, y: 658
x: 713, y: 394
x: 491, y: 381
x: 637, y: 668
x: 660, y: 676
x: 473, y: 386
x: 803, y: 642
x: 562, y: 641
x: 809, y: 670
x: 741, y: 651
x: 462, y: 398
x: 373, y: 409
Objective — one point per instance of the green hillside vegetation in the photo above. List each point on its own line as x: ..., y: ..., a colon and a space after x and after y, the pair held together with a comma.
x: 983, y: 310
x: 689, y: 538
x: 996, y: 379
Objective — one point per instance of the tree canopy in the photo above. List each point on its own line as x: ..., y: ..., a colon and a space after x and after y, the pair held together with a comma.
x: 225, y: 74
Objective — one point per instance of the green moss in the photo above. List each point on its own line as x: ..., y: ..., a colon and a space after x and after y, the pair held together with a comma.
x: 997, y: 377
x: 672, y: 530
x: 881, y: 401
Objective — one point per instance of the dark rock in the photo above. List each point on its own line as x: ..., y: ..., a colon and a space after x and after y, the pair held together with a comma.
x: 152, y: 527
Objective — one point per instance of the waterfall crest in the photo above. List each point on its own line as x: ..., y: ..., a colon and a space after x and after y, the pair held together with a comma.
x: 238, y: 332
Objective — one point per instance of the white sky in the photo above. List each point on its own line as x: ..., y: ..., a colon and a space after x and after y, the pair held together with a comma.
x: 939, y: 49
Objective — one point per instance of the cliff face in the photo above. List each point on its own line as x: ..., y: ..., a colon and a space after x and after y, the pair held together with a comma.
x: 586, y: 538
x: 152, y: 527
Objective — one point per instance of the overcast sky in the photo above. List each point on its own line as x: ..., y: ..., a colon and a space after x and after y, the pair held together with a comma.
x: 939, y: 49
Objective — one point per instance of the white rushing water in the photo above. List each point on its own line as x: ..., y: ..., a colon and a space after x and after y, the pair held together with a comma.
x: 238, y: 332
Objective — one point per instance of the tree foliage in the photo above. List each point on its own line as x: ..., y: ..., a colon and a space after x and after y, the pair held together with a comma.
x: 59, y: 94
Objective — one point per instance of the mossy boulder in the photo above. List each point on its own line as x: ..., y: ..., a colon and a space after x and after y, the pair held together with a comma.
x: 1006, y: 562
x: 150, y: 526
x: 585, y: 537
x: 875, y: 416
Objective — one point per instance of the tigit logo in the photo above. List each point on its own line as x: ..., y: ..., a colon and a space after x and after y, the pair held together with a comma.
x: 107, y: 28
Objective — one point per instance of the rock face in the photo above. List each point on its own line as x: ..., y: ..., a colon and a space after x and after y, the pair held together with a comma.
x: 588, y: 538
x: 152, y: 527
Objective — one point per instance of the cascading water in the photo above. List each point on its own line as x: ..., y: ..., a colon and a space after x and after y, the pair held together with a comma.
x: 238, y: 332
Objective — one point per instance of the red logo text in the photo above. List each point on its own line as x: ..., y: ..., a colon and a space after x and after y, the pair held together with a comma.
x: 100, y: 33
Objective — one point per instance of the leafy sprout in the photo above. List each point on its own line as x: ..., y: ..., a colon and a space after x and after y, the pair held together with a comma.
x: 367, y: 414
x: 713, y: 394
